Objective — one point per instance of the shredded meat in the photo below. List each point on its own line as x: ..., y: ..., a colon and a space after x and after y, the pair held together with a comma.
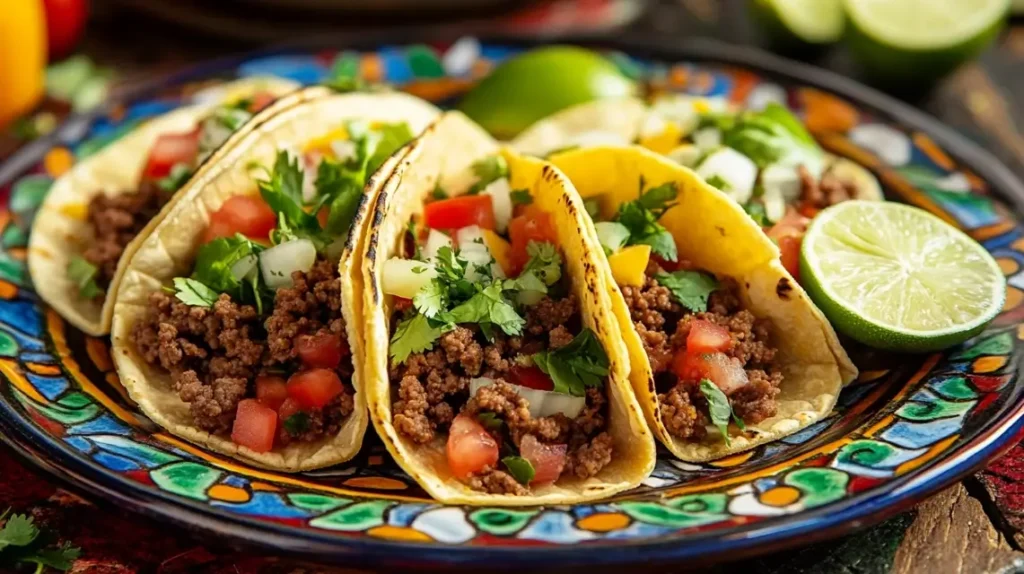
x: 549, y: 313
x: 588, y: 459
x: 680, y: 416
x: 497, y: 482
x: 829, y: 191
x: 115, y: 221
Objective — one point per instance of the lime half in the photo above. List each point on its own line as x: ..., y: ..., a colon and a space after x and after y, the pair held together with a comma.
x: 896, y: 277
x: 905, y: 41
x: 807, y: 21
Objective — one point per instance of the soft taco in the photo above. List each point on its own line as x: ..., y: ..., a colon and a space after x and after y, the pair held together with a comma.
x: 92, y: 219
x: 495, y: 373
x: 727, y: 351
x: 765, y: 160
x: 236, y: 324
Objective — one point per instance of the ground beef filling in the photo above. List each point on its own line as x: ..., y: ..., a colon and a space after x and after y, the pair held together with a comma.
x: 827, y: 191
x: 663, y: 326
x: 431, y: 388
x: 116, y: 220
x: 214, y: 355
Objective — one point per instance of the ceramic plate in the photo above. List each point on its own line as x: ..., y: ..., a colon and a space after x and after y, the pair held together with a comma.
x: 909, y: 426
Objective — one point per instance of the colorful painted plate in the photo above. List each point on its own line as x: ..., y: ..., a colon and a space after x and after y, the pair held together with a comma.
x: 909, y: 426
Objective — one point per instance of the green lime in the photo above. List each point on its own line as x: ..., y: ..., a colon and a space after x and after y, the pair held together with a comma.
x: 799, y: 22
x: 540, y: 82
x: 896, y: 277
x: 913, y: 42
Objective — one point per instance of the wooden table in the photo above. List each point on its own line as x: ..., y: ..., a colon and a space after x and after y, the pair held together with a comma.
x: 973, y: 527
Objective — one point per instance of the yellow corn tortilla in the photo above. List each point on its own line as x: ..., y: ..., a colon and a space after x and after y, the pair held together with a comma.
x: 60, y: 230
x: 715, y: 234
x: 443, y: 155
x: 169, y: 251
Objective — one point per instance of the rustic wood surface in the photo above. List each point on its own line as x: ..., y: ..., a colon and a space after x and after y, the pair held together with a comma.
x: 976, y: 526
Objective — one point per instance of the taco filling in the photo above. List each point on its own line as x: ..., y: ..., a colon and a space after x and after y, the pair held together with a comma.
x: 489, y: 361
x: 116, y: 219
x: 712, y: 360
x: 254, y: 337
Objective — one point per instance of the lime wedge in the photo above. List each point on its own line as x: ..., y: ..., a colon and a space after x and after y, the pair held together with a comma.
x: 907, y: 41
x: 896, y: 277
x: 807, y: 21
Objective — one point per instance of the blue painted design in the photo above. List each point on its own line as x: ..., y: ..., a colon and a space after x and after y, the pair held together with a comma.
x: 918, y: 434
x: 266, y: 504
x: 44, y: 358
x: 49, y: 387
x: 79, y: 443
x: 114, y: 462
x: 236, y: 481
x: 395, y: 65
x: 105, y: 423
x: 553, y: 526
x: 302, y: 69
x: 809, y: 432
x: 144, y: 455
x: 496, y: 53
x: 24, y: 316
x: 404, y: 514
x: 970, y: 210
x: 640, y: 529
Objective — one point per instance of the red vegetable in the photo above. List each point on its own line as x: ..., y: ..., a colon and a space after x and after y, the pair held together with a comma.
x: 261, y: 100
x: 169, y: 150
x: 65, y: 22
x: 314, y: 388
x: 531, y: 377
x: 255, y: 426
x: 707, y: 337
x: 271, y: 391
x: 547, y: 460
x: 726, y: 373
x: 245, y: 214
x: 459, y: 212
x: 321, y: 350
x: 470, y: 447
x: 533, y: 225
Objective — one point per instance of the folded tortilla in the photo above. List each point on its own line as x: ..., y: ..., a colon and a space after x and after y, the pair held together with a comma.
x: 60, y: 230
x: 443, y: 155
x: 715, y: 234
x: 169, y: 251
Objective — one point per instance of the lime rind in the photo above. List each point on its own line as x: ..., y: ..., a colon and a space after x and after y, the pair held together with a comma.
x: 813, y: 21
x: 872, y: 266
x: 925, y: 25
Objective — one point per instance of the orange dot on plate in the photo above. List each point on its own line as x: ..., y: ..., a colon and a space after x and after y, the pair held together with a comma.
x: 228, y: 493
x: 1008, y: 265
x: 1014, y: 297
x: 58, y: 161
x: 989, y: 364
x: 780, y: 496
x: 398, y: 533
x: 603, y: 522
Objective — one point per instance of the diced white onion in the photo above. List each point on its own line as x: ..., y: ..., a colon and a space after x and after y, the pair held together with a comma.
x: 653, y: 125
x: 400, y: 276
x: 735, y: 169
x: 501, y: 201
x: 344, y: 150
x: 280, y: 261
x: 612, y: 235
x: 680, y: 109
x: 244, y: 267
x: 309, y: 165
x: 542, y: 403
x: 782, y: 180
x: 435, y: 241
x: 686, y: 155
x: 474, y: 250
x: 593, y: 138
x: 707, y: 139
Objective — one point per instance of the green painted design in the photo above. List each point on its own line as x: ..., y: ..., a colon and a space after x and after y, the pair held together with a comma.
x: 142, y: 453
x: 75, y: 400
x: 345, y: 66
x: 11, y: 269
x: 954, y: 388
x: 980, y: 206
x: 501, y: 521
x: 187, y: 478
x: 423, y: 62
x: 919, y: 175
x: 626, y: 65
x: 819, y: 485
x: 1001, y: 344
x: 14, y: 236
x: 316, y: 502
x: 354, y: 518
x: 933, y: 410
x: 8, y: 345
x: 683, y: 512
x: 865, y: 452
x: 26, y: 197
x: 95, y: 144
x: 65, y: 415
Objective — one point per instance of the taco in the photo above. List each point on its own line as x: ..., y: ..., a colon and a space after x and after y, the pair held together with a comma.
x: 727, y: 352
x: 236, y: 324
x: 765, y: 160
x: 495, y: 373
x: 90, y: 221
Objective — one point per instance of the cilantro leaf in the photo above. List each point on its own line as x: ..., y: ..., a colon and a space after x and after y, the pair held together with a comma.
x: 413, y: 335
x: 644, y: 229
x: 718, y: 407
x: 179, y: 176
x: 772, y: 135
x: 450, y: 267
x: 19, y: 530
x: 392, y: 137
x: 490, y: 421
x: 519, y: 468
x: 526, y: 281
x: 283, y: 193
x: 431, y: 299
x: 297, y: 424
x: 545, y: 261
x: 719, y: 182
x: 580, y: 364
x: 439, y: 192
x: 691, y: 288
x: 487, y: 171
x: 488, y: 306
x: 521, y: 197
x: 192, y: 292
x: 59, y: 558
x: 658, y: 199
x: 214, y: 262
x: 593, y: 207
x: 756, y: 212
x: 83, y: 274
x: 342, y: 191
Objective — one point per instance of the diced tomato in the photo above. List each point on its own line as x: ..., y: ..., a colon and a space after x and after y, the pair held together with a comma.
x: 314, y: 388
x: 323, y: 215
x: 288, y: 408
x: 534, y: 224
x: 808, y: 210
x: 255, y: 426
x: 726, y: 373
x: 470, y: 447
x: 245, y: 214
x: 401, y: 303
x: 459, y: 212
x: 707, y: 337
x: 547, y: 460
x: 789, y: 247
x: 169, y: 150
x: 271, y: 391
x: 260, y: 100
x: 788, y: 234
x: 321, y: 350
x: 531, y: 377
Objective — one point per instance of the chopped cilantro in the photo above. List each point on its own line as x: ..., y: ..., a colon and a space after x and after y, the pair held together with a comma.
x: 641, y: 219
x: 19, y: 530
x: 431, y: 299
x: 438, y: 192
x: 180, y: 173
x: 413, y: 335
x: 593, y: 207
x: 719, y: 182
x: 283, y: 193
x: 83, y: 274
x: 545, y: 262
x: 755, y: 209
x: 235, y: 116
x: 194, y: 293
x: 488, y: 306
x: 691, y: 288
x: 490, y: 421
x: 519, y: 468
x: 659, y: 199
x: 214, y: 268
x: 580, y: 364
x: 487, y: 171
x: 59, y: 558
x: 521, y: 197
x: 21, y: 543
x: 719, y: 408
x: 392, y: 137
x: 772, y: 135
x: 297, y: 424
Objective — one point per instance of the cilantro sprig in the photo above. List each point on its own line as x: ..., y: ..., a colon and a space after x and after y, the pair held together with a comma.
x: 691, y: 288
x: 487, y: 170
x: 641, y: 216
x: 772, y: 135
x: 83, y: 275
x: 720, y: 409
x: 580, y: 364
x: 22, y: 542
x: 520, y: 469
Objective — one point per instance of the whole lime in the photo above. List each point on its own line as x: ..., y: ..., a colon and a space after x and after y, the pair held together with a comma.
x: 540, y: 82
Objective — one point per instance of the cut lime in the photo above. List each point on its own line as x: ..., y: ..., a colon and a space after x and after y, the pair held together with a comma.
x: 896, y: 277
x: 540, y: 82
x: 807, y: 21
x: 907, y: 41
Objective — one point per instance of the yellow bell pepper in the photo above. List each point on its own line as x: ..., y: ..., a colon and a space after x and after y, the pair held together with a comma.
x: 629, y: 264
x: 664, y: 141
x: 500, y: 250
x: 22, y: 57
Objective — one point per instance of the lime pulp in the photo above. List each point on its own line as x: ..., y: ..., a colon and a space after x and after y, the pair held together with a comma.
x: 800, y: 21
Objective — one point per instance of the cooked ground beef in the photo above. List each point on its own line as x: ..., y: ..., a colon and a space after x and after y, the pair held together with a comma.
x: 830, y: 190
x: 433, y: 386
x: 214, y: 354
x: 116, y: 220
x: 664, y: 326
